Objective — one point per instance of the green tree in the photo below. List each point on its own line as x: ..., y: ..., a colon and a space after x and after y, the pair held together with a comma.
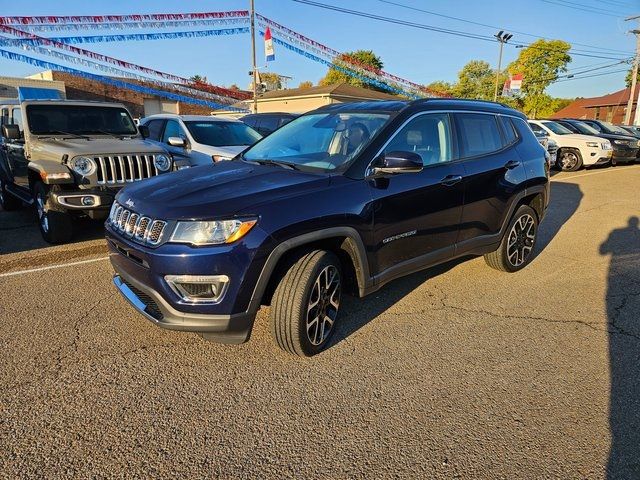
x: 441, y: 87
x: 540, y: 64
x: 199, y: 79
x: 627, y: 79
x: 477, y: 80
x: 306, y: 84
x: 361, y: 57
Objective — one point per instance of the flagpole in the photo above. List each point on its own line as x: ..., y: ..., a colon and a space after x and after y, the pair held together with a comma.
x: 253, y: 54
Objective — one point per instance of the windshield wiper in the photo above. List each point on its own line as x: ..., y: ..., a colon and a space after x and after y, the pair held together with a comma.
x: 292, y: 166
x: 68, y: 134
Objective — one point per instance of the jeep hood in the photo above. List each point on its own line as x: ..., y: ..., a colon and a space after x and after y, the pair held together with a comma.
x: 218, y: 190
x: 54, y: 148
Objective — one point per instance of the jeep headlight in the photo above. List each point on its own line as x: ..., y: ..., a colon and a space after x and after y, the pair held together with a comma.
x: 162, y: 162
x: 620, y: 142
x: 211, y: 232
x: 593, y: 144
x: 84, y: 166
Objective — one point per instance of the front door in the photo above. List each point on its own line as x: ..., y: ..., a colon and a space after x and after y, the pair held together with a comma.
x: 18, y: 163
x: 416, y: 215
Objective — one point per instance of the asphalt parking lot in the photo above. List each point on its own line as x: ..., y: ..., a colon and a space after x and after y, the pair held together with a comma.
x: 459, y: 371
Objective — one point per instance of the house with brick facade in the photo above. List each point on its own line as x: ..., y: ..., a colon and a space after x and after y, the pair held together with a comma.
x: 609, y: 108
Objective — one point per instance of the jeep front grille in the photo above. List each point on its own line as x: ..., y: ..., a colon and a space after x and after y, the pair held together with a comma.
x: 138, y: 227
x: 121, y: 169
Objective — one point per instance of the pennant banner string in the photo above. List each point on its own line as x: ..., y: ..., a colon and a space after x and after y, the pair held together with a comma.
x: 116, y: 82
x: 116, y: 71
x: 123, y: 64
x: 124, y: 37
x: 129, y: 25
x: 121, y: 18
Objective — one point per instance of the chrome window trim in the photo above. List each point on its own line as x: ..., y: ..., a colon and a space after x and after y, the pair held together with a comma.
x: 369, y: 170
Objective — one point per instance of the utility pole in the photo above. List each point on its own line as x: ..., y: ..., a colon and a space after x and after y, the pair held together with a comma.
x: 502, y: 38
x: 252, y: 14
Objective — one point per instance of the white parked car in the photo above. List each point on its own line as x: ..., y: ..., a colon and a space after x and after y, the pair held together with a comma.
x: 199, y: 139
x: 574, y: 150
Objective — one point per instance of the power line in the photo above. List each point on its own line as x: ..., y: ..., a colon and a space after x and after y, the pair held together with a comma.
x: 450, y: 17
x: 578, y: 6
x: 422, y: 26
x: 589, y: 76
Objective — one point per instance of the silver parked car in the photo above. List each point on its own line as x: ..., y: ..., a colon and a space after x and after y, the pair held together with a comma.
x: 199, y: 139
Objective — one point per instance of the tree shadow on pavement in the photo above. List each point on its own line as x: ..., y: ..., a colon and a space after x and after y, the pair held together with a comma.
x: 623, y: 313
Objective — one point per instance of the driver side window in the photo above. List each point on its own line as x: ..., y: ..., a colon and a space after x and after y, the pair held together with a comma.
x: 173, y: 129
x: 428, y: 135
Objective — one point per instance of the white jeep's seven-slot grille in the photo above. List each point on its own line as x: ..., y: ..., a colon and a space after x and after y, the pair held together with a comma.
x: 133, y: 225
x: 121, y: 169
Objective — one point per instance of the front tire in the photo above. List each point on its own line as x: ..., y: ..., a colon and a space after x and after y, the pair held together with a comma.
x: 569, y: 160
x: 516, y: 247
x: 55, y: 226
x: 8, y: 201
x: 306, y: 303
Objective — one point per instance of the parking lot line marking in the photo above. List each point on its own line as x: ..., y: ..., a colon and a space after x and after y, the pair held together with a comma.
x: 608, y: 170
x: 51, y: 267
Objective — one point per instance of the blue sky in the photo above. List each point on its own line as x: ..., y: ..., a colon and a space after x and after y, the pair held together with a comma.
x: 419, y: 55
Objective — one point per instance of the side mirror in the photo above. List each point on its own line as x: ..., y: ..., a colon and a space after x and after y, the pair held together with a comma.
x: 176, y: 141
x: 11, y: 132
x: 398, y: 162
x: 144, y: 131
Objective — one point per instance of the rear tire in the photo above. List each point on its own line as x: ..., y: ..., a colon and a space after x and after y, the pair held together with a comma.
x: 516, y: 248
x: 569, y: 160
x: 306, y: 304
x: 7, y: 200
x: 55, y: 226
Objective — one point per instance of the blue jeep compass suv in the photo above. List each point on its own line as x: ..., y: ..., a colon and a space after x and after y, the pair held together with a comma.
x: 341, y: 200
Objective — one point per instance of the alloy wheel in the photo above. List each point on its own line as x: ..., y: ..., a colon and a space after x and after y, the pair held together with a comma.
x: 521, y: 239
x: 323, y: 305
x: 568, y: 160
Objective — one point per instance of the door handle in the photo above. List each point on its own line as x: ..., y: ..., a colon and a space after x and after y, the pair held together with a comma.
x: 511, y: 164
x: 450, y: 180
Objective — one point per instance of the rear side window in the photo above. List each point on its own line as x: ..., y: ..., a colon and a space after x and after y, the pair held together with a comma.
x: 155, y: 129
x: 509, y: 131
x: 478, y: 134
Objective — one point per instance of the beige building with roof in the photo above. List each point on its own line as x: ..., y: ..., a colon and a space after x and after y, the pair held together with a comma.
x: 301, y: 100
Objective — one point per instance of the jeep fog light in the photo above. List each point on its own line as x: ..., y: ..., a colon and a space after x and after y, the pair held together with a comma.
x: 88, y: 201
x: 199, y: 288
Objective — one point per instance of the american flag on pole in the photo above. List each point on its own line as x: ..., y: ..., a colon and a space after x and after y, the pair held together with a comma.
x: 268, y: 46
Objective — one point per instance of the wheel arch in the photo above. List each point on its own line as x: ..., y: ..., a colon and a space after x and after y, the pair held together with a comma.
x: 344, y: 242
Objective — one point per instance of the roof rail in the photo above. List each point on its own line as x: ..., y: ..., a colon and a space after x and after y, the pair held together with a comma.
x: 424, y: 100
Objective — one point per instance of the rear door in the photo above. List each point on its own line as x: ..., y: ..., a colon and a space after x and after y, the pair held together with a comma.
x: 416, y: 215
x: 494, y: 172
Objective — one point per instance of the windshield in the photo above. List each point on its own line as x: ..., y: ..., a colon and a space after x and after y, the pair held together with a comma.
x: 222, y: 134
x: 584, y: 128
x: 322, y: 140
x: 79, y: 119
x: 611, y: 128
x: 556, y: 128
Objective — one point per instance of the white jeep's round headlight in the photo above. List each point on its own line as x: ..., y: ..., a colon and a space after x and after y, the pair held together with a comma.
x: 162, y: 162
x: 84, y: 166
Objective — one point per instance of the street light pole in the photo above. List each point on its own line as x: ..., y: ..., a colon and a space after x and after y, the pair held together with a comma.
x: 502, y: 38
x: 252, y: 15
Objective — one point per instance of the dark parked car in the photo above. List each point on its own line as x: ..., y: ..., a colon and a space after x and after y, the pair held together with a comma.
x: 266, y: 123
x: 633, y: 130
x: 625, y: 146
x: 343, y: 199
